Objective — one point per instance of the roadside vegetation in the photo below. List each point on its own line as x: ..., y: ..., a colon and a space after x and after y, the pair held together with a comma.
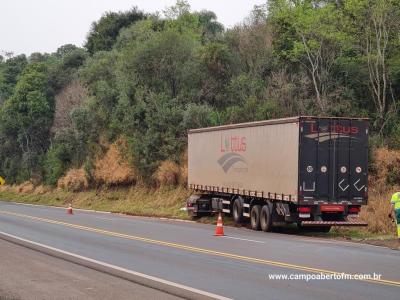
x: 140, y: 201
x: 111, y: 118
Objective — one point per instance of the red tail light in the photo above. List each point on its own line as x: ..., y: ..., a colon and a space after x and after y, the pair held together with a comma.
x: 189, y: 204
x: 304, y: 209
x: 354, y: 210
x: 332, y: 208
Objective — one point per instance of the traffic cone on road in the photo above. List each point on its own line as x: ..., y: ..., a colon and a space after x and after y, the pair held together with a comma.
x: 69, y: 210
x: 219, y: 230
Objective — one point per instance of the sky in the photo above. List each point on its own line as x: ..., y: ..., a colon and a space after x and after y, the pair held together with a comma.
x: 28, y: 26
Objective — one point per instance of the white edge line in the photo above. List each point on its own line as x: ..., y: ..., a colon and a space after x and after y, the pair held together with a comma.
x: 236, y: 238
x: 101, y: 218
x: 104, y: 264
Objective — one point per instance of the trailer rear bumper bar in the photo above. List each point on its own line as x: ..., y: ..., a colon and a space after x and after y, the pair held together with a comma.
x: 333, y: 223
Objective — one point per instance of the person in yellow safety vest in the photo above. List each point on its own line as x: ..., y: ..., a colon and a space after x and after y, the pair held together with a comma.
x: 2, y: 181
x: 395, y: 201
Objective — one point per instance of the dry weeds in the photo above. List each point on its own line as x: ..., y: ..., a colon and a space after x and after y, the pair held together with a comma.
x: 75, y: 180
x: 113, y: 169
x: 168, y: 173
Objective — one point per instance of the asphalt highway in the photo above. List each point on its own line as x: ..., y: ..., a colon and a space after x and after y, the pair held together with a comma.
x: 29, y: 274
x: 187, y: 254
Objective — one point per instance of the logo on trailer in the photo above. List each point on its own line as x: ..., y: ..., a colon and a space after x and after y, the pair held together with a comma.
x: 228, y: 160
x: 233, y: 146
x: 331, y: 132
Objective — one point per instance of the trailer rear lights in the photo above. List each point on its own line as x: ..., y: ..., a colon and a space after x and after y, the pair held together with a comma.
x: 354, y: 210
x: 332, y: 208
x: 304, y: 216
x: 304, y: 209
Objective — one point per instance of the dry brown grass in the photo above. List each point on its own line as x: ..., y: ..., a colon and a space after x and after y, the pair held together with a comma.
x: 384, y: 161
x: 168, y: 173
x: 183, y: 176
x: 25, y: 187
x: 112, y: 169
x: 376, y: 213
x: 75, y: 180
x: 41, y: 190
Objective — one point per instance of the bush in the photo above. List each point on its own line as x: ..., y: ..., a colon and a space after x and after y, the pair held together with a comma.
x: 113, y: 168
x: 60, y: 156
x: 168, y: 173
x: 75, y: 180
x: 387, y: 168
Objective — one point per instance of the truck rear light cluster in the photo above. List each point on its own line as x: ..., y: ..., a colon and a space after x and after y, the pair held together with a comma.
x: 189, y: 204
x: 304, y: 209
x: 354, y: 209
x: 332, y: 208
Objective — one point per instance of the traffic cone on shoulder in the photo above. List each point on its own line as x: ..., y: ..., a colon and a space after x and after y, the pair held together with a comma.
x: 219, y: 230
x: 69, y: 210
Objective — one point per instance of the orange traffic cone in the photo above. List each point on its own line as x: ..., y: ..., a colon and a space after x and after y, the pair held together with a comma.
x: 69, y: 210
x: 219, y: 230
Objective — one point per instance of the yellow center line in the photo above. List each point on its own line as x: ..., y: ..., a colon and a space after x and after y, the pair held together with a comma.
x: 198, y: 250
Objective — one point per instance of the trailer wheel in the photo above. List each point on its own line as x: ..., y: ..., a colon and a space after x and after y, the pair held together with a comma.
x: 255, y: 217
x: 266, y: 218
x: 238, y: 210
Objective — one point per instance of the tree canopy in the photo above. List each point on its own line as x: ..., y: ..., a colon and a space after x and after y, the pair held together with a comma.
x: 148, y: 78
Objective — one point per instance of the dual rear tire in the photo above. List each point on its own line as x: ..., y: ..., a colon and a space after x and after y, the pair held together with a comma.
x: 260, y: 218
x: 237, y: 210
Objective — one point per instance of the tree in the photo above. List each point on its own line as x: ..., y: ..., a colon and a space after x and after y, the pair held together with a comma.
x: 9, y: 73
x: 376, y: 25
x: 181, y: 8
x: 99, y: 76
x: 26, y: 119
x: 218, y: 66
x: 63, y: 71
x: 65, y: 49
x: 310, y: 33
x: 103, y: 33
x: 211, y: 28
x: 162, y: 63
x: 158, y: 133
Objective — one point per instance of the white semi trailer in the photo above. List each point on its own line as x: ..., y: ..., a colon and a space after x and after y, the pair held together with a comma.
x: 306, y: 170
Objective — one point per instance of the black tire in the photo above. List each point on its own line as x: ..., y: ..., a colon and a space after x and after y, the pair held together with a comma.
x: 237, y: 210
x: 266, y: 218
x: 255, y: 217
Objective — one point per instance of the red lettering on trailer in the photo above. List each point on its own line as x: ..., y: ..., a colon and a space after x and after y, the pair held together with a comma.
x: 350, y: 130
x: 233, y: 143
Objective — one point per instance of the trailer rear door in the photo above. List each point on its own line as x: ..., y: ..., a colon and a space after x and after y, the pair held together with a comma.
x: 333, y: 160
